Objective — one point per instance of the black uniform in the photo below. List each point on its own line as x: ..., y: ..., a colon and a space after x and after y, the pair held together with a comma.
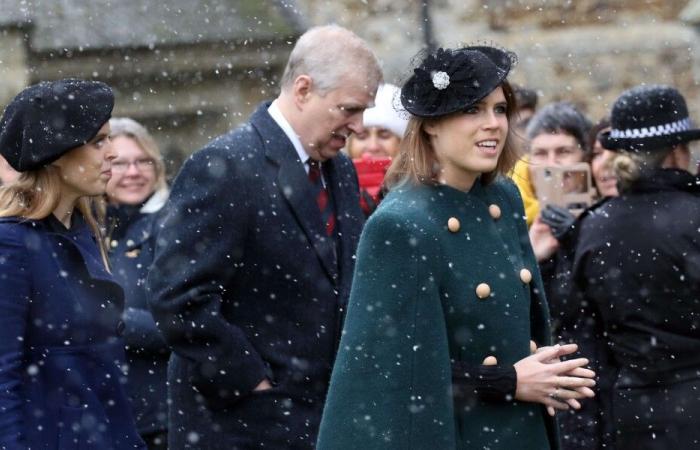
x: 637, y: 265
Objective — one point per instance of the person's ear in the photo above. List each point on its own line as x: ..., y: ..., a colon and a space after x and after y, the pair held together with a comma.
x: 302, y: 89
x: 431, y: 129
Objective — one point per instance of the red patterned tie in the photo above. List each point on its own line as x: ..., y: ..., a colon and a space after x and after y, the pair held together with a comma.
x: 322, y: 197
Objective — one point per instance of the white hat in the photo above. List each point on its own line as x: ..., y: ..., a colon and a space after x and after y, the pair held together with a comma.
x: 387, y: 111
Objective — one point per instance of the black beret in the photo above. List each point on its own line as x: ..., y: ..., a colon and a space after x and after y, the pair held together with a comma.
x: 450, y: 80
x: 48, y: 119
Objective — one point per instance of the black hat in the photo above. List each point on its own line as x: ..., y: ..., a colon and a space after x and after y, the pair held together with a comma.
x: 450, y: 80
x: 649, y: 117
x: 46, y: 120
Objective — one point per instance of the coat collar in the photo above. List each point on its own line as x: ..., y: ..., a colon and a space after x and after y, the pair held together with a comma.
x: 294, y: 185
x: 659, y: 180
x: 78, y: 237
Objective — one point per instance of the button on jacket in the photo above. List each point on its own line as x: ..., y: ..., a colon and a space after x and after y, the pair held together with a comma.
x: 425, y: 297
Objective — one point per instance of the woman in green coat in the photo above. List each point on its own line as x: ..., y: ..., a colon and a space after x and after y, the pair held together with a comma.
x: 439, y: 349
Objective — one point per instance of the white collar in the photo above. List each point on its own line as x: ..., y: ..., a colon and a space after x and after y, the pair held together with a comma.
x: 277, y: 116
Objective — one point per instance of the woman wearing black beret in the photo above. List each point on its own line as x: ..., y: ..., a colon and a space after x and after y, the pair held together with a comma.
x: 447, y: 309
x: 636, y: 263
x: 60, y: 353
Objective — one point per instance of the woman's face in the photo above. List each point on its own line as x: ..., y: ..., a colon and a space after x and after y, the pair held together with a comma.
x: 469, y: 143
x: 555, y: 149
x: 85, y: 170
x: 374, y: 141
x: 7, y: 173
x: 602, y: 171
x: 133, y: 173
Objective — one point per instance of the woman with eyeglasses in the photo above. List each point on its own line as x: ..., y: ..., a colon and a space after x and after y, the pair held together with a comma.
x: 135, y: 194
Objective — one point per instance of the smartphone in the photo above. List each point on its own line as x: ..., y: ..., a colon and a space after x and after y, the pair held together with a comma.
x: 569, y: 187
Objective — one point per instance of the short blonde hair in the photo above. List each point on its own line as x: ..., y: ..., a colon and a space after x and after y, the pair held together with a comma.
x: 124, y: 126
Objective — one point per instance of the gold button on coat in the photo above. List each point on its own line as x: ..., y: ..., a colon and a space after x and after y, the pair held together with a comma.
x: 453, y: 224
x: 495, y: 211
x: 483, y: 290
x: 525, y: 276
x: 490, y: 361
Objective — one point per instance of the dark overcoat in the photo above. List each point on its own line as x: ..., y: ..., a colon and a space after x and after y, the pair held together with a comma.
x: 132, y: 244
x: 414, y: 314
x: 575, y: 321
x: 637, y: 261
x: 246, y: 286
x: 60, y: 381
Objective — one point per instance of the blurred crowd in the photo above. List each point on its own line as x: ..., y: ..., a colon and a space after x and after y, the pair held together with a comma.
x: 210, y: 315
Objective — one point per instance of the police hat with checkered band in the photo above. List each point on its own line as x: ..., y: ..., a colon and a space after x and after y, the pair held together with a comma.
x: 649, y: 118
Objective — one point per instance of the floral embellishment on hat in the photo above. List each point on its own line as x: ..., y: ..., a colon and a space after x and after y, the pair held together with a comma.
x: 449, y: 80
x: 441, y: 80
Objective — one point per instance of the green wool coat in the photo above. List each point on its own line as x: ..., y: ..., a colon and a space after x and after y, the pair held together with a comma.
x: 414, y: 309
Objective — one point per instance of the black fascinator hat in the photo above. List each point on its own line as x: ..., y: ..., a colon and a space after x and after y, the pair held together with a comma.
x: 649, y: 118
x: 450, y: 80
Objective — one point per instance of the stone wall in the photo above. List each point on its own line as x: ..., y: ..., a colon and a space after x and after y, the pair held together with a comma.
x: 185, y: 95
x: 586, y: 51
x: 13, y: 63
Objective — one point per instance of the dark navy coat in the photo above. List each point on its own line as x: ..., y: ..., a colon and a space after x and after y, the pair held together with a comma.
x: 246, y: 286
x: 637, y: 264
x: 60, y: 381
x: 132, y: 244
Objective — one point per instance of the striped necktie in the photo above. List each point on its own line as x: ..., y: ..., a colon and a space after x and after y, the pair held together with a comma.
x: 322, y: 196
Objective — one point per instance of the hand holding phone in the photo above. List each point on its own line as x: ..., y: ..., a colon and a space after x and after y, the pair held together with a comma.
x: 567, y: 187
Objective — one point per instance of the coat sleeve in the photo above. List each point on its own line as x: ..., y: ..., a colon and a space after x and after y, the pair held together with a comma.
x: 593, y: 343
x: 15, y: 290
x: 391, y: 383
x: 199, y: 245
x: 141, y: 333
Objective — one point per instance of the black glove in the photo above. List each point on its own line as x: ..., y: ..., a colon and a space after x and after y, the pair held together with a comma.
x: 559, y: 219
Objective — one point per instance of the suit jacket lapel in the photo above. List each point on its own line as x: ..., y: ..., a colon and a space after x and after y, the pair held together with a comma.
x: 293, y: 183
x: 349, y: 216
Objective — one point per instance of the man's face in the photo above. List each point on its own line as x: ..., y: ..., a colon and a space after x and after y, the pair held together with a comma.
x: 328, y: 120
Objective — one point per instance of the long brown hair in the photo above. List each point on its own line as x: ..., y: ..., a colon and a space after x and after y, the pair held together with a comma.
x: 416, y: 162
x: 36, y: 194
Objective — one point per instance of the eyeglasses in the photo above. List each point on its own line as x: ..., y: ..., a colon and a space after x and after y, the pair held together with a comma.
x: 141, y: 165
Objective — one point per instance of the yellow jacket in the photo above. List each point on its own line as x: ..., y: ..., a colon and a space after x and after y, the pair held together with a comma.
x: 521, y: 177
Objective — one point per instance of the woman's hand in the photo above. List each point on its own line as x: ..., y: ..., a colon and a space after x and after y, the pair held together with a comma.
x: 544, y: 244
x: 542, y: 378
